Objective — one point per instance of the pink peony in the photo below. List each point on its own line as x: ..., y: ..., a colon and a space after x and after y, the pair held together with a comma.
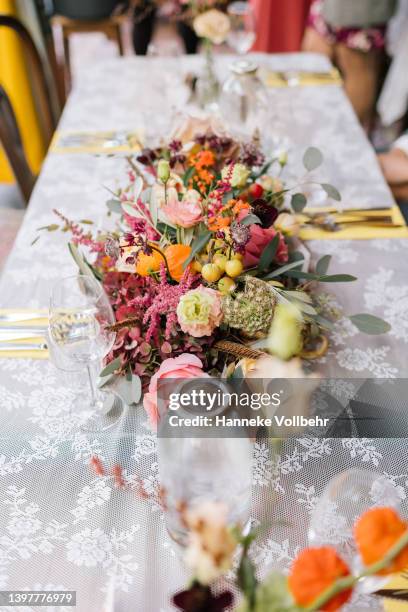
x: 183, y: 366
x: 258, y: 241
x: 199, y: 311
x: 186, y: 213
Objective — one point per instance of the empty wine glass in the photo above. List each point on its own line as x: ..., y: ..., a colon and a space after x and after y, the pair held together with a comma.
x: 346, y: 497
x: 242, y: 34
x: 79, y: 318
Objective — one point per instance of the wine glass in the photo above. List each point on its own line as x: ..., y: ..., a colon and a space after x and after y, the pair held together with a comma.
x: 79, y: 318
x: 242, y: 32
x: 346, y: 497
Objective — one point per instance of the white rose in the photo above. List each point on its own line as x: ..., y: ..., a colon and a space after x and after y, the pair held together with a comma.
x: 213, y: 25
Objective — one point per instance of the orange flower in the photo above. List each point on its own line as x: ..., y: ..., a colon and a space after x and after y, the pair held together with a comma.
x: 204, y: 159
x: 218, y: 223
x: 176, y: 255
x: 146, y: 264
x: 313, y: 571
x: 375, y: 532
x: 241, y: 205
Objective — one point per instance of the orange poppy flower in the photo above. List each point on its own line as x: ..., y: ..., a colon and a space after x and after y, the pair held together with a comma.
x: 146, y: 264
x: 313, y: 571
x: 375, y: 532
x: 176, y: 255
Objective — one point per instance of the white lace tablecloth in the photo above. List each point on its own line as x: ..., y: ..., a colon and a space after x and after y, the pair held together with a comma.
x: 61, y: 527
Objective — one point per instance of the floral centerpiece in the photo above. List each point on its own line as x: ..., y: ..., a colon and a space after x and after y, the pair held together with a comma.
x: 204, y: 266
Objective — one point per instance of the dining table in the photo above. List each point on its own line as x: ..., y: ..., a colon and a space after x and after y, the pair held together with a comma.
x: 65, y: 528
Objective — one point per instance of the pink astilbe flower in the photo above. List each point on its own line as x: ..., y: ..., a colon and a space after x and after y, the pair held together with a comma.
x: 79, y: 236
x: 166, y: 301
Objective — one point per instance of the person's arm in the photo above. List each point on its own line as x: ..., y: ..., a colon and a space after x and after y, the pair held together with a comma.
x: 394, y: 164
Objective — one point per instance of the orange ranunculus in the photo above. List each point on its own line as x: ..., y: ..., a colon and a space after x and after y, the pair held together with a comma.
x: 176, y: 255
x: 375, y: 532
x: 146, y: 264
x: 313, y: 571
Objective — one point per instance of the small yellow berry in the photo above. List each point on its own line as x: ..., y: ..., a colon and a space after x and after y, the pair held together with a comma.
x: 211, y: 273
x: 226, y: 285
x: 238, y: 256
x: 220, y: 261
x: 197, y: 266
x: 234, y: 268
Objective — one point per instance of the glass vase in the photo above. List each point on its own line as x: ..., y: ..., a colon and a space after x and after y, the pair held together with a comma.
x: 208, y: 86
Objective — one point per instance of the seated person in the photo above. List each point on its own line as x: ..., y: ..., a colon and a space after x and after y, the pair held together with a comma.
x: 394, y: 165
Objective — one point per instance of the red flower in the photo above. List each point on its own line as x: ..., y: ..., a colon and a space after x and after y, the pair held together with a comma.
x: 260, y: 237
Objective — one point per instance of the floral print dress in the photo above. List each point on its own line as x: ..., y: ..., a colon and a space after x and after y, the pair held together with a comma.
x: 361, y: 39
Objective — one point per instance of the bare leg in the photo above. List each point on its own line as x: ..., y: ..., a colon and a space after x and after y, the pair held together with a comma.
x: 314, y: 43
x: 361, y: 72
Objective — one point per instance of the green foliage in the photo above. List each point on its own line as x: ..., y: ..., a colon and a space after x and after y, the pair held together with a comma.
x: 312, y: 158
x: 197, y: 245
x: 298, y: 202
x: 323, y: 264
x: 268, y: 253
x: 369, y: 324
x: 331, y: 191
x: 114, y: 206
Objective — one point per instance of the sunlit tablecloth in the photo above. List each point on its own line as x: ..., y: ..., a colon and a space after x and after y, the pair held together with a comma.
x: 61, y: 527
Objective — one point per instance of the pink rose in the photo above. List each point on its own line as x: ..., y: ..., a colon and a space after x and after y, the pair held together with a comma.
x: 183, y: 366
x: 258, y: 241
x: 186, y: 213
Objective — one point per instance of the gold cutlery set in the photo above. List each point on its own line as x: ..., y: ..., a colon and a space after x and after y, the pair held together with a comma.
x: 23, y: 333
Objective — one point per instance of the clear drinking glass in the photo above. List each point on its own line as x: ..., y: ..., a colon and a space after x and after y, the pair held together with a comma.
x: 243, y: 27
x: 346, y: 497
x: 194, y: 470
x: 79, y: 318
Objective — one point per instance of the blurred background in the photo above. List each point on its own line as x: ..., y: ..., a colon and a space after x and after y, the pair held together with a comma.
x: 45, y: 45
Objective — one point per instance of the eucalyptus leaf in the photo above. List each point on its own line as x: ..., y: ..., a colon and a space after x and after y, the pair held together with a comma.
x: 323, y: 264
x: 283, y: 269
x: 111, y: 367
x: 337, y: 278
x: 312, y: 158
x: 369, y: 324
x: 106, y: 380
x: 269, y: 253
x: 331, y: 191
x: 137, y: 187
x: 298, y: 202
x: 136, y: 389
x: 114, y: 206
x: 250, y: 219
x: 130, y: 210
x: 302, y: 296
x: 197, y: 245
x: 83, y: 266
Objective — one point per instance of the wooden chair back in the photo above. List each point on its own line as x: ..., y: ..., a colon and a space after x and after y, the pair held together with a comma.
x: 38, y: 74
x: 12, y: 144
